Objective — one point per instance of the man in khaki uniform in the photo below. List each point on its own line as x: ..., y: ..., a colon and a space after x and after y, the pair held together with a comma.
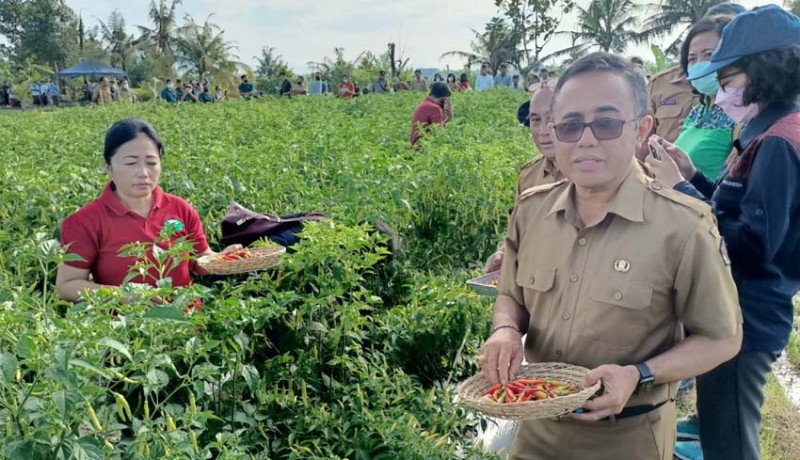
x: 604, y: 271
x: 670, y: 100
x: 419, y: 83
x: 542, y: 169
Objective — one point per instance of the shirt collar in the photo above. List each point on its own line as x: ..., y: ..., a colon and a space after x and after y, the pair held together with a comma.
x: 627, y: 203
x: 550, y: 169
x: 109, y: 199
x: 765, y: 119
x: 679, y: 77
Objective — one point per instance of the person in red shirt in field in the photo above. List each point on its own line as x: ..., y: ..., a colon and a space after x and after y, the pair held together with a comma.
x: 347, y: 89
x: 436, y: 109
x: 131, y: 208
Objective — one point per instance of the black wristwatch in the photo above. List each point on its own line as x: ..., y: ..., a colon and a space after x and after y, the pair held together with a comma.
x: 646, y: 378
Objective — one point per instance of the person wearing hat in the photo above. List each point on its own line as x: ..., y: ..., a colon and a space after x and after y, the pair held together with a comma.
x: 434, y: 110
x: 756, y: 203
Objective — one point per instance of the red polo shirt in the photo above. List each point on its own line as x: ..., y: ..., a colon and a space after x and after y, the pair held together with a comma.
x: 426, y: 114
x: 97, y: 231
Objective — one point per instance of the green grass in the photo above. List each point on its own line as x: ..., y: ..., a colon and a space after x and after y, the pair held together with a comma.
x: 780, y: 438
x: 793, y: 350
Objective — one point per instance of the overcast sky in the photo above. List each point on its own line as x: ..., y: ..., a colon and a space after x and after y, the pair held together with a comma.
x: 308, y: 30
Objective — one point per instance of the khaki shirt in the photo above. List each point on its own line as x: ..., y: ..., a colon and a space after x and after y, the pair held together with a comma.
x: 538, y: 171
x: 419, y: 85
x: 621, y: 291
x: 102, y: 95
x: 670, y: 101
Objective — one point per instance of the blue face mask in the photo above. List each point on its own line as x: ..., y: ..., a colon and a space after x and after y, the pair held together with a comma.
x: 707, y: 85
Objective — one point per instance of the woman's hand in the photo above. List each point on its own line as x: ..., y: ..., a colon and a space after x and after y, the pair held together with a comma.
x: 680, y: 157
x: 663, y: 166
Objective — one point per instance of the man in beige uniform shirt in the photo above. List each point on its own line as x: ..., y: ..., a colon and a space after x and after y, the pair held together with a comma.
x: 542, y: 169
x: 603, y: 271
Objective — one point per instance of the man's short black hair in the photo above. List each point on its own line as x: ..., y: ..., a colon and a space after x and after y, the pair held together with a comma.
x: 244, y: 76
x: 611, y: 63
x: 168, y: 81
x: 417, y: 71
x: 772, y: 76
x: 439, y: 89
x: 637, y: 60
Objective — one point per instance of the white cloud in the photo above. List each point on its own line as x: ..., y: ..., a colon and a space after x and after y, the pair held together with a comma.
x: 308, y: 30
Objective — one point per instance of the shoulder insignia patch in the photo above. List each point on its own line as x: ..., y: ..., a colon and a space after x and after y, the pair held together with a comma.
x: 540, y: 189
x: 699, y: 207
x: 531, y: 163
x: 723, y: 251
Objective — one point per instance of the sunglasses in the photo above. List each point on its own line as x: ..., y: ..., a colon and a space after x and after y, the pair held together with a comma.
x: 603, y: 129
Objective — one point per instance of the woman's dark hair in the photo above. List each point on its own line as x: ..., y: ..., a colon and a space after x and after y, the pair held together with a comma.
x: 611, y: 63
x: 707, y: 24
x: 125, y: 131
x: 451, y: 75
x: 464, y: 77
x: 439, y: 89
x: 772, y: 76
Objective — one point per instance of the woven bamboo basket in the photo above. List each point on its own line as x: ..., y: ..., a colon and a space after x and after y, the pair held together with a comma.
x: 261, y: 258
x: 476, y: 386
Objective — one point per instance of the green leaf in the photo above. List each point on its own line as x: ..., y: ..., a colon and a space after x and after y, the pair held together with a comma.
x: 83, y: 364
x: 8, y: 366
x: 165, y: 313
x: 115, y: 345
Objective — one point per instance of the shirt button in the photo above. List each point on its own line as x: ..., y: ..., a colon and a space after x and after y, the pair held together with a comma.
x: 656, y: 185
x: 759, y: 212
x: 558, y: 353
x: 582, y: 241
x: 574, y: 277
x: 565, y: 316
x: 618, y: 295
x: 533, y: 278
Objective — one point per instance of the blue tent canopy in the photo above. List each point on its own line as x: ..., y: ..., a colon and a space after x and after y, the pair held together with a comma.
x: 89, y: 68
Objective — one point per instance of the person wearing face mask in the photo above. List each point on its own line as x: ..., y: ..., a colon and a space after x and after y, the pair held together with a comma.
x: 347, y: 90
x: 169, y: 94
x: 319, y: 86
x: 756, y: 203
x: 299, y: 88
x: 125, y: 92
x: 707, y: 132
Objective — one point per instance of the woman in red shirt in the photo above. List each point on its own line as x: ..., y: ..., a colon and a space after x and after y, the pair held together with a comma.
x: 346, y: 88
x: 464, y: 82
x: 131, y: 208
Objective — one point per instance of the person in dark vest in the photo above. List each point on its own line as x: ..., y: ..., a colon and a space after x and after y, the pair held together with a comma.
x: 756, y: 203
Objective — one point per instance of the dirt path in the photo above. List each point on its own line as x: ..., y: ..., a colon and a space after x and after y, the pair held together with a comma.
x: 789, y: 377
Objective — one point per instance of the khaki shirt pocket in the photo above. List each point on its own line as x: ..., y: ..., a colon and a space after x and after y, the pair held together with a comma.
x: 669, y: 110
x: 618, y: 312
x: 537, y: 284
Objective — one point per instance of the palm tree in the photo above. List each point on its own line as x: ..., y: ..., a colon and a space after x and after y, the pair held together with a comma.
x: 162, y: 35
x: 202, y: 50
x: 496, y: 46
x: 119, y: 44
x: 673, y: 15
x: 605, y: 25
x: 268, y: 62
x: 333, y: 69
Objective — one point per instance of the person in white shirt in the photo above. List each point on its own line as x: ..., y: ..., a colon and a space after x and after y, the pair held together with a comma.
x: 484, y: 81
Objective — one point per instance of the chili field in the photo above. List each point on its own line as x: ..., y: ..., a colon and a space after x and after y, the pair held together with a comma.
x: 345, y: 351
